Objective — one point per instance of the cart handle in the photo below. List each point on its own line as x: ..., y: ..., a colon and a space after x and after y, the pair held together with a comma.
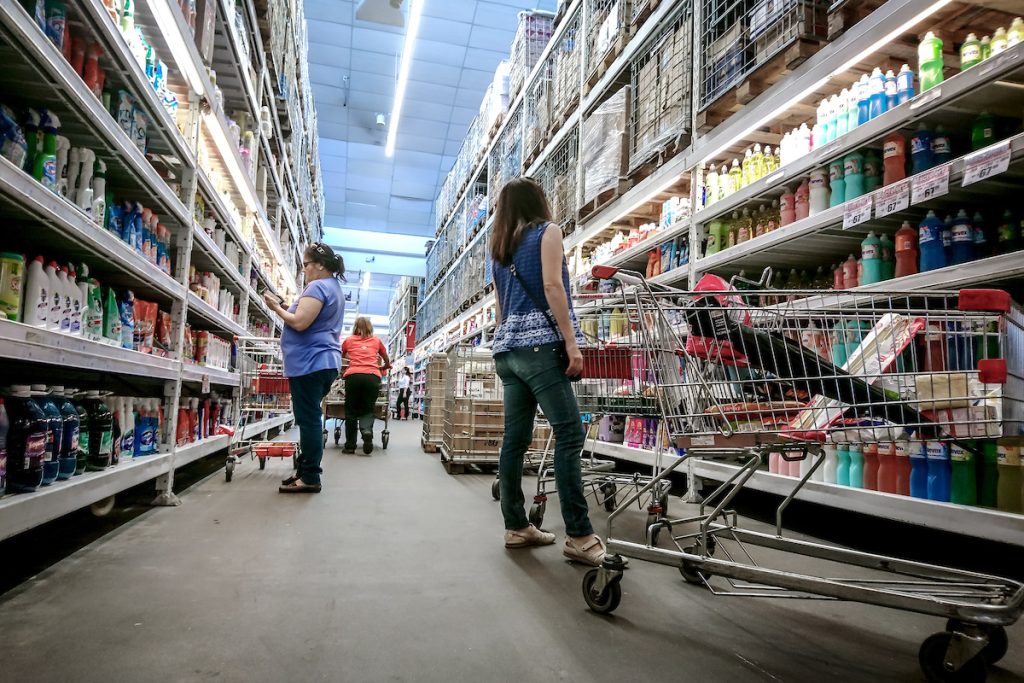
x: 613, y: 273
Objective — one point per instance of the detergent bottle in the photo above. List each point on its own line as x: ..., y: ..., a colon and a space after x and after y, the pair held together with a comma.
x: 904, y: 84
x: 887, y: 251
x: 983, y: 131
x: 933, y: 254
x: 54, y: 433
x: 918, y: 469
x: 1000, y: 41
x: 970, y: 52
x: 871, y: 465
x: 894, y: 158
x: 871, y: 259
x: 70, y: 440
x: 942, y: 149
x: 963, y: 239
x: 939, y: 470
x: 878, y: 103
x: 872, y: 171
x: 787, y: 207
x: 843, y: 464
x: 837, y: 184
x: 852, y: 110
x: 887, y: 467
x: 963, y: 487
x: 26, y: 440
x: 930, y: 64
x: 904, y: 466
x: 842, y: 116
x: 831, y: 464
x: 856, y: 455
x: 802, y: 203
x: 921, y: 150
x: 863, y: 100
x: 853, y: 175
x: 891, y: 93
x: 818, y: 190
x: 1008, y: 497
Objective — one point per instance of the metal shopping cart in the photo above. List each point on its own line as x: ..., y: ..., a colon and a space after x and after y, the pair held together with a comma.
x: 334, y: 409
x: 745, y: 376
x: 265, y: 392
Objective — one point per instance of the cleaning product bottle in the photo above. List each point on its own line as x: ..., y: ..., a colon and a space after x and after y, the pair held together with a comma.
x: 84, y: 198
x: 963, y: 239
x: 77, y: 327
x: 856, y: 454
x: 5, y: 426
x: 939, y: 470
x: 54, y: 433
x: 947, y: 239
x: 68, y: 459
x: 843, y: 464
x: 984, y: 239
x: 988, y: 473
x: 842, y: 118
x: 906, y: 250
x: 918, y: 469
x: 101, y: 432
x: 1008, y: 237
x: 831, y: 125
x: 863, y: 100
x: 45, y: 168
x: 871, y: 465
x: 942, y: 149
x: 878, y: 103
x: 871, y: 259
x: 63, y: 149
x: 872, y: 171
x: 970, y: 52
x: 852, y: 111
x: 1015, y: 35
x: 26, y: 440
x: 716, y: 235
x: 850, y: 272
x: 1009, y: 493
x: 921, y: 150
x: 710, y: 186
x: 986, y: 48
x: 111, y: 320
x: 887, y: 254
x: 56, y: 299
x: 982, y: 132
x: 802, y: 199
x: 837, y: 184
x: 891, y: 92
x: 735, y: 176
x: 963, y: 487
x: 37, y: 294
x: 818, y: 189
x: 839, y: 329
x: 95, y: 311
x: 787, y: 207
x: 757, y: 165
x: 886, y: 475
x: 930, y: 64
x: 83, y: 430
x: 91, y: 72
x: 904, y: 466
x: 67, y: 302
x: 933, y: 255
x: 894, y: 158
x: 831, y: 465
x: 725, y: 187
x: 853, y: 175
x: 99, y: 193
x: 12, y: 282
x: 904, y: 84
x: 1000, y: 41
x: 126, y: 308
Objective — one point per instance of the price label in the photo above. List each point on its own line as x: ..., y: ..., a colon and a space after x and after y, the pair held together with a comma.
x: 990, y: 161
x: 893, y: 198
x: 856, y: 211
x: 206, y: 384
x: 930, y: 184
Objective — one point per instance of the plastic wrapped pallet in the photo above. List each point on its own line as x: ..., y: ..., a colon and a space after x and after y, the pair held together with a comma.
x: 532, y: 36
x: 604, y: 148
x: 495, y: 102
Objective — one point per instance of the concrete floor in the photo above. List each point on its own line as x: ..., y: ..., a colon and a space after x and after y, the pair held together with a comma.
x: 396, y: 572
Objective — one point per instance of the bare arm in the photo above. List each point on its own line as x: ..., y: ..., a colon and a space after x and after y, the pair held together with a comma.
x: 551, y: 258
x: 384, y: 355
x: 304, y: 315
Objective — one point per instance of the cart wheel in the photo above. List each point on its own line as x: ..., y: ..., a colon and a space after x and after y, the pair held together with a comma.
x: 495, y: 489
x: 263, y: 463
x: 229, y: 469
x: 998, y: 643
x: 102, y: 508
x: 663, y: 502
x: 932, y: 657
x: 689, y: 570
x: 601, y: 603
x: 608, y: 490
x: 654, y: 518
x: 385, y: 436
x: 537, y: 514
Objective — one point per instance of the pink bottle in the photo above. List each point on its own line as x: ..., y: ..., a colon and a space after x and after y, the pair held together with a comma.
x: 787, y: 208
x: 774, y: 461
x: 850, y: 272
x: 803, y: 200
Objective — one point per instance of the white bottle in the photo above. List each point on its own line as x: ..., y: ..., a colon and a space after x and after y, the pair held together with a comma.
x: 74, y: 168
x: 819, y: 191
x: 63, y: 148
x: 831, y: 463
x: 56, y: 292
x: 842, y: 113
x: 37, y: 294
x: 82, y: 284
x: 803, y: 145
x: 64, y: 297
x: 99, y: 194
x: 77, y: 326
x: 85, y: 195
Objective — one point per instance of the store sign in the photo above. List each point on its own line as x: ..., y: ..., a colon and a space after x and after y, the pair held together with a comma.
x: 892, y: 199
x: 930, y: 184
x: 856, y: 211
x: 410, y: 336
x: 990, y: 161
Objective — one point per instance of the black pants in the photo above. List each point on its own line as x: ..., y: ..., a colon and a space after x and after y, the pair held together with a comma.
x: 307, y: 393
x: 403, y: 399
x: 361, y: 391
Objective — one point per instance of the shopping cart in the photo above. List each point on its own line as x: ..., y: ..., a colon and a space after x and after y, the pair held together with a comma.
x: 745, y: 376
x: 334, y: 409
x: 264, y: 392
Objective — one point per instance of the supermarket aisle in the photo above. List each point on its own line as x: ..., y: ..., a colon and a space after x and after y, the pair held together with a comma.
x: 396, y: 572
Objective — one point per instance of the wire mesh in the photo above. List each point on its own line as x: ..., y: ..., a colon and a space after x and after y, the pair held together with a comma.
x: 737, y: 36
x: 434, y: 391
x: 506, y: 160
x: 565, y: 63
x: 559, y: 178
x: 609, y: 23
x: 660, y: 78
x: 474, y: 419
x: 538, y: 111
x: 532, y: 36
x: 476, y: 208
x: 263, y: 384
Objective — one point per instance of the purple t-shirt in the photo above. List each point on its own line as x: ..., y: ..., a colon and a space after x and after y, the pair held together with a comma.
x: 318, y: 347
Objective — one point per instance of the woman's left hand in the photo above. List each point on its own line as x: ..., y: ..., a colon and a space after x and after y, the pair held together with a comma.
x: 272, y: 301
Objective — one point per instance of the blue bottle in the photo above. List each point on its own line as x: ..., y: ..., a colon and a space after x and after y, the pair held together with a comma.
x: 929, y: 243
x: 921, y: 150
x: 863, y: 100
x: 942, y: 150
x: 904, y: 84
x: 878, y: 104
x: 918, y: 470
x: 960, y: 355
x: 891, y: 94
x: 947, y: 239
x: 54, y: 433
x: 940, y: 471
x: 843, y: 468
x: 963, y: 239
x: 69, y: 441
x: 856, y: 454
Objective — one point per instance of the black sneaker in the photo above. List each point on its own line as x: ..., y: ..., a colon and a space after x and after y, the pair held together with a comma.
x: 367, y: 442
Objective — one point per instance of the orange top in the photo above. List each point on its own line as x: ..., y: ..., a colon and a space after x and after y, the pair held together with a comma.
x: 362, y: 354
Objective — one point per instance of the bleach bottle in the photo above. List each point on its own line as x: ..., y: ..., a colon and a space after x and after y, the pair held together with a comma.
x: 933, y: 255
x: 904, y: 84
x: 852, y: 111
x: 837, y: 184
x: 26, y: 440
x: 939, y: 470
x: 818, y: 193
x: 831, y: 463
x: 963, y: 239
x: 921, y: 150
x: 918, y: 469
x: 871, y: 259
x: 878, y: 104
x: 963, y: 488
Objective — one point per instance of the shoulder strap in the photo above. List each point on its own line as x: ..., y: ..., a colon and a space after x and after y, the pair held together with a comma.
x: 541, y: 305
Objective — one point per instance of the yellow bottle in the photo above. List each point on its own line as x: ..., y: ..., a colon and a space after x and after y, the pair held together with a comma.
x: 770, y: 162
x: 757, y: 167
x: 735, y: 176
x: 1016, y: 33
x: 747, y: 172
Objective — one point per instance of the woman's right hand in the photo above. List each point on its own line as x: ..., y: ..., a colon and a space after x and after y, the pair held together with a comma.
x: 575, y: 360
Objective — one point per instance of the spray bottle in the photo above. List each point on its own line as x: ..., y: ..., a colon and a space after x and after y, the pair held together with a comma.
x: 45, y: 164
x: 84, y: 197
x: 63, y: 148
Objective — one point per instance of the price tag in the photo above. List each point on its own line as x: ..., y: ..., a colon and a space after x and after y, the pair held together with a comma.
x: 930, y: 184
x: 990, y: 161
x: 856, y: 211
x: 206, y: 384
x: 892, y: 198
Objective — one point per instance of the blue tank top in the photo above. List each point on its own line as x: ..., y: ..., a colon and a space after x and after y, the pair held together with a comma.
x: 522, y: 323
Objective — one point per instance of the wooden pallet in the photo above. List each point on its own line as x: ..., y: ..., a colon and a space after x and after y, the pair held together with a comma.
x: 535, y: 151
x: 844, y: 16
x: 763, y: 77
x: 645, y: 164
x: 429, y: 446
x: 603, y: 199
x: 494, y: 129
x: 601, y: 66
x: 558, y: 119
x: 644, y: 10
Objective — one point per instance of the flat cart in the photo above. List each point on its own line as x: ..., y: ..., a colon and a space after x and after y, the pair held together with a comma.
x: 264, y: 392
x: 753, y: 375
x: 334, y: 409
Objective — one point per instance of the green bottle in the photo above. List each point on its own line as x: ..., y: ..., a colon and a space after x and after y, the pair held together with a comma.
x: 1007, y: 235
x: 716, y: 237
x: 988, y: 474
x: 970, y: 52
x: 44, y: 168
x: 986, y: 48
x: 929, y: 57
x: 1009, y: 478
x: 983, y: 132
x: 1000, y: 41
x: 128, y: 17
x: 964, y: 484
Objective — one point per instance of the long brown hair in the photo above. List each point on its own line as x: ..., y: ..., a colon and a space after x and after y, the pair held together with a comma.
x: 521, y: 203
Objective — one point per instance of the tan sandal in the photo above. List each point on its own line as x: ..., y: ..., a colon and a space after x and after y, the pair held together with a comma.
x: 591, y: 552
x: 529, y: 537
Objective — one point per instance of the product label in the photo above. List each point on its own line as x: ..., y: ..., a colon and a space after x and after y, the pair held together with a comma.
x: 75, y: 440
x: 835, y: 172
x: 817, y: 181
x: 941, y: 146
x: 902, y: 449
x: 869, y: 251
x: 1009, y: 455
x: 963, y: 232
x: 919, y: 144
x: 947, y: 238
x: 979, y: 236
x: 886, y: 448
x: 930, y: 184
x: 914, y: 450
x: 43, y: 307
x: 852, y: 166
x: 904, y: 243
x: 49, y: 179
x: 986, y: 163
x: 83, y: 442
x: 937, y: 450
x: 35, y: 450
x: 871, y: 167
x: 76, y: 318
x: 892, y: 198
x: 3, y: 468
x: 106, y: 445
x: 892, y: 148
x: 890, y: 87
x: 128, y: 442
x: 970, y: 53
x: 959, y: 454
x: 148, y: 439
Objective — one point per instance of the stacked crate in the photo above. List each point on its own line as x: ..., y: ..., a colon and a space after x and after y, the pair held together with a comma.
x: 474, y: 415
x: 434, y: 401
x: 532, y: 36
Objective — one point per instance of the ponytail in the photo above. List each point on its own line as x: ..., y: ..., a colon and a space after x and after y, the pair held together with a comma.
x: 318, y: 252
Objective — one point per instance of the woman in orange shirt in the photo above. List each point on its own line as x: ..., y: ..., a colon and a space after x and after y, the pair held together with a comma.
x: 362, y: 382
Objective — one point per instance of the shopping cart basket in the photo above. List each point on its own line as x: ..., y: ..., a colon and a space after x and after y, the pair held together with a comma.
x: 334, y: 409
x: 784, y: 373
x: 264, y: 392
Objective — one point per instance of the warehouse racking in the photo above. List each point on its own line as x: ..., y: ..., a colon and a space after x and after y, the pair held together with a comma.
x: 240, y: 197
x: 758, y: 69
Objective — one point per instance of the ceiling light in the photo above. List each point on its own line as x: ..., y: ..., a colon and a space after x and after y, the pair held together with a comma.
x: 381, y: 12
x: 169, y: 27
x: 366, y: 280
x: 415, y: 10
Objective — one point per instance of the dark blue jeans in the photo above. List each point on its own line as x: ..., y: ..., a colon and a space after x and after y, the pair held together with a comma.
x: 531, y: 376
x: 308, y: 392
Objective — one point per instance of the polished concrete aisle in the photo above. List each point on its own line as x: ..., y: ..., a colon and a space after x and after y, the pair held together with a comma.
x: 396, y: 572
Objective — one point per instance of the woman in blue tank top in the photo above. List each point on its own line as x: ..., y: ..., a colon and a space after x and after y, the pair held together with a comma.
x: 536, y: 350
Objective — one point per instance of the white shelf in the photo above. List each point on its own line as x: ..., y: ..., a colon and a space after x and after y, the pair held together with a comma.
x: 183, y: 455
x: 213, y: 317
x: 250, y: 431
x: 224, y: 267
x: 215, y: 201
x: 190, y: 372
x: 22, y: 511
x: 643, y: 247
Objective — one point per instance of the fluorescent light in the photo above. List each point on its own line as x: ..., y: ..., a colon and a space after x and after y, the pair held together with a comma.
x: 415, y: 10
x: 366, y: 280
x: 169, y: 27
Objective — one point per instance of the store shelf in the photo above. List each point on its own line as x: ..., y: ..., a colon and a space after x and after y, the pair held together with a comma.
x: 34, y: 345
x: 969, y: 521
x: 183, y: 455
x: 257, y: 428
x: 191, y: 372
x: 213, y: 318
x: 22, y: 511
x: 211, y: 254
x: 641, y: 249
x: 215, y: 201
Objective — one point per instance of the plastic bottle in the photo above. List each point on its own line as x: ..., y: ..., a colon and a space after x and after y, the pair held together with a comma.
x: 68, y: 460
x: 887, y: 254
x: 53, y: 315
x: 878, y: 103
x: 84, y: 427
x: 101, y: 432
x: 970, y: 52
x: 853, y: 175
x: 36, y: 296
x: 963, y: 239
x: 842, y: 115
x: 986, y: 48
x: 939, y: 470
x: 710, y: 186
x: 94, y: 313
x: 757, y: 165
x: 787, y: 208
x: 894, y: 158
x: 126, y: 309
x: 831, y: 125
x: 850, y: 272
x: 5, y: 425
x: 891, y: 93
x: 45, y: 164
x: 904, y: 467
x: 887, y: 468
x: 843, y: 464
x: 54, y: 433
x: 963, y: 487
x: 818, y: 193
x: 863, y: 100
x: 921, y: 150
x: 1007, y: 235
x: 839, y: 330
x: 906, y: 250
x: 26, y: 440
x: 871, y: 259
x: 984, y: 239
x: 869, y: 452
x: 856, y: 454
x: 746, y: 172
x: 947, y: 239
x: 933, y: 254
x: 77, y: 312
x: 872, y: 171
x: 716, y: 235
x: 988, y: 473
x: 1000, y: 41
x: 982, y: 132
x: 744, y: 230
x: 829, y: 468
x: 930, y: 64
x: 735, y: 176
x: 111, y: 320
x: 65, y: 300
x: 918, y: 470
x: 904, y: 84
x: 852, y: 110
x: 942, y: 148
x: 1015, y: 35
x: 837, y: 184
x: 1009, y: 493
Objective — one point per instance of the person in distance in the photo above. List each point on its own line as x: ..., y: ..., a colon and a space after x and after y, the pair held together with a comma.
x: 367, y: 360
x: 536, y: 351
x: 404, y: 392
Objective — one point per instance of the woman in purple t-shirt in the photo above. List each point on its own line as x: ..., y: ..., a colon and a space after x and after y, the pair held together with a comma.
x: 312, y: 356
